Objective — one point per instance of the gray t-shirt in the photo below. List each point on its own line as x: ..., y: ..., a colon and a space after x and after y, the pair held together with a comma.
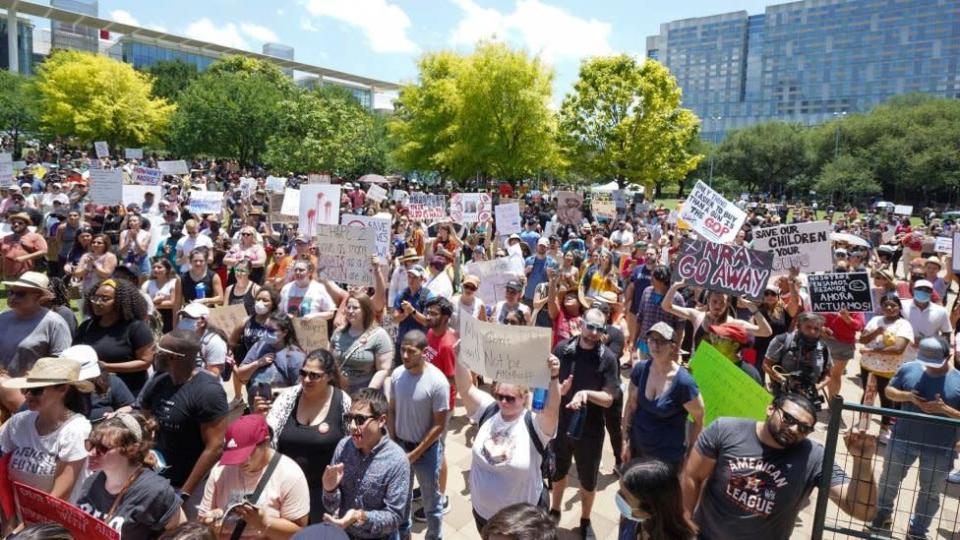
x: 23, y: 341
x: 362, y: 361
x: 755, y: 491
x: 417, y: 398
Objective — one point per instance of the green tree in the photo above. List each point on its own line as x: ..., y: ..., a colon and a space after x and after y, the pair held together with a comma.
x: 170, y: 78
x: 18, y: 114
x: 844, y: 180
x: 88, y: 97
x: 768, y: 157
x: 623, y: 121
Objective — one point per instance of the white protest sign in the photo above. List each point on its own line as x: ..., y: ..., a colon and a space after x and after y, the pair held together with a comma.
x: 133, y: 153
x: 510, y: 354
x: 603, y: 205
x: 376, y: 193
x: 205, y: 202
x: 956, y: 249
x: 570, y: 208
x: 247, y: 187
x: 903, y: 210
x: 508, y: 218
x: 378, y: 223
x: 146, y: 176
x: 944, y: 244
x: 103, y: 150
x: 319, y: 205
x: 712, y: 216
x: 106, y: 186
x: 6, y: 169
x: 470, y: 207
x: 318, y: 178
x: 805, y: 246
x: 494, y: 275
x: 177, y: 166
x: 400, y: 196
x: 135, y: 194
x: 291, y: 202
x: 276, y: 184
x: 344, y: 253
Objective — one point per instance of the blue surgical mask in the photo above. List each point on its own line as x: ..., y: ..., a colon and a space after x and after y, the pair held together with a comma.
x: 187, y: 323
x: 269, y: 338
x: 625, y: 509
x: 921, y: 296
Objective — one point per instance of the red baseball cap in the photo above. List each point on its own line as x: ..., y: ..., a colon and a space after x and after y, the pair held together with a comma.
x: 242, y: 436
x: 730, y: 331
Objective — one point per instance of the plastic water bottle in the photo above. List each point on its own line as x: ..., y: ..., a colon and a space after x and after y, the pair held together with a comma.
x: 539, y: 399
x: 201, y: 291
x: 575, y: 428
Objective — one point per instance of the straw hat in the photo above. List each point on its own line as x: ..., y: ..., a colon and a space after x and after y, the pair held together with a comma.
x: 30, y: 280
x: 409, y: 254
x: 51, y: 372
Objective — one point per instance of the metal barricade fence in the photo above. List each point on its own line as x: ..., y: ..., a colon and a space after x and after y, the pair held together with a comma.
x: 910, y: 473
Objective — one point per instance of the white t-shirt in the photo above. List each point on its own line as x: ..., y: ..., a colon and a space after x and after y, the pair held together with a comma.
x: 186, y: 244
x: 506, y: 465
x: 299, y: 301
x: 165, y: 292
x: 928, y: 322
x: 897, y: 329
x: 35, y: 457
x: 213, y: 350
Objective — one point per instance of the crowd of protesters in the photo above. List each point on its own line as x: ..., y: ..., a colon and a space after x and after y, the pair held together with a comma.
x: 121, y: 395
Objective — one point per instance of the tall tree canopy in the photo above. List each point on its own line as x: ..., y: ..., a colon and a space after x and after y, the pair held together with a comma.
x: 171, y: 77
x: 18, y: 107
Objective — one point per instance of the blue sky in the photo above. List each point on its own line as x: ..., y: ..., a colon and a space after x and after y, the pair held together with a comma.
x: 383, y: 38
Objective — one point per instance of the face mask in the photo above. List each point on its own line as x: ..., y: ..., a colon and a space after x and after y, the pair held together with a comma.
x: 921, y: 295
x: 262, y: 308
x: 270, y: 338
x: 187, y: 324
x: 625, y: 510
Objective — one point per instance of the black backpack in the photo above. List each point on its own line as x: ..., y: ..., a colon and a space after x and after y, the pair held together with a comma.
x: 548, y: 461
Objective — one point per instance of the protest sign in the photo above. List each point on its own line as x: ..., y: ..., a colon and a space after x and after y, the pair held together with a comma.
x: 344, y: 253
x: 724, y: 267
x: 426, y: 207
x: 106, y: 186
x: 619, y: 199
x: 570, y: 208
x: 805, y: 246
x: 205, y: 202
x: 602, y: 204
x: 903, y: 210
x: 311, y: 333
x: 726, y: 389
x: 401, y: 196
x: 318, y: 178
x: 228, y: 318
x: 177, y: 166
x: 103, y: 150
x: 145, y: 176
x: 247, y: 187
x: 6, y: 169
x: 509, y: 354
x: 944, y: 244
x: 319, y: 205
x: 376, y: 193
x: 494, y: 275
x: 380, y: 224
x: 712, y: 216
x: 35, y: 506
x: 470, y: 207
x: 276, y: 184
x: 508, y: 218
x: 136, y: 195
x: 956, y: 249
x: 832, y: 292
x: 133, y: 153
x: 291, y: 202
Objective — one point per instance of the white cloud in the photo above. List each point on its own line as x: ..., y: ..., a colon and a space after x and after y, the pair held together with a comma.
x: 257, y: 32
x: 545, y: 29
x: 123, y: 17
x: 230, y: 34
x: 384, y: 24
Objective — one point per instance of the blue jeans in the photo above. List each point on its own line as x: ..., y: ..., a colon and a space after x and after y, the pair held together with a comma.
x: 935, y: 465
x: 427, y: 471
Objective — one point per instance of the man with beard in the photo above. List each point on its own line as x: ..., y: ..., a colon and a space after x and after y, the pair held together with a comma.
x: 803, y: 353
x: 749, y: 479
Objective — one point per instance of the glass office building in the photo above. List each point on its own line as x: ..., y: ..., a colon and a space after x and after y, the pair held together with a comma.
x: 811, y: 60
x: 76, y: 37
x: 24, y: 46
x: 143, y: 55
x: 278, y: 50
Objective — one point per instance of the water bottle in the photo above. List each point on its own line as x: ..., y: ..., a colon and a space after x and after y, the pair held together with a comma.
x: 539, y: 398
x: 201, y: 291
x: 575, y: 429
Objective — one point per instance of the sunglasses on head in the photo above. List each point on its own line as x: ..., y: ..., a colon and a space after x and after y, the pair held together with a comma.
x: 311, y: 375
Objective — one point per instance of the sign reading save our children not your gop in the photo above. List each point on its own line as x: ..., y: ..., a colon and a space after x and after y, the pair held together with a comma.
x: 712, y: 216
x: 829, y: 293
x: 804, y: 246
x: 726, y: 268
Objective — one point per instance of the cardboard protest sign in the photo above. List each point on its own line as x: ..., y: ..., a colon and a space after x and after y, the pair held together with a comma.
x: 470, y: 207
x: 205, y: 202
x: 510, y: 354
x: 133, y: 153
x: 380, y: 224
x: 944, y: 244
x: 345, y: 253
x: 903, y: 210
x: 291, y: 202
x: 106, y: 186
x: 6, y: 169
x: 228, y: 318
x: 275, y: 184
x: 712, y: 216
x: 570, y: 208
x: 319, y: 205
x: 376, y: 193
x: 177, y: 166
x: 603, y: 205
x: 311, y: 333
x: 102, y: 148
x: 508, y: 218
x: 726, y: 268
x: 146, y: 176
x: 35, y: 506
x: 426, y: 207
x: 136, y: 195
x: 494, y: 275
x: 832, y: 292
x: 805, y: 246
x: 726, y: 389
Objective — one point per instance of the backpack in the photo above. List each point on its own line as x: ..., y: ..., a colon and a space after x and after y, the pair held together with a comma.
x: 548, y: 461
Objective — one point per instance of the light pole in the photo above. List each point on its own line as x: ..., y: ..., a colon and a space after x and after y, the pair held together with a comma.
x: 716, y: 141
x: 836, y: 144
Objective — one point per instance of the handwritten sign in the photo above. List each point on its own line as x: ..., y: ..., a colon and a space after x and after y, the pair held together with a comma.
x: 570, y: 208
x: 177, y: 166
x: 146, y: 176
x: 311, y: 333
x: 832, y: 292
x: 603, y: 205
x: 228, y: 318
x: 726, y: 389
x: 712, y: 216
x: 470, y: 207
x: 426, y: 207
x: 291, y: 202
x: 805, y: 246
x: 944, y: 244
x: 6, y: 169
x: 345, y: 253
x: 103, y: 150
x: 205, y: 202
x: 247, y: 187
x: 137, y: 194
x: 494, y: 275
x: 510, y: 354
x: 376, y: 193
x: 727, y: 268
x: 508, y: 218
x: 276, y: 184
x: 133, y: 153
x: 35, y: 507
x: 106, y: 186
x: 379, y: 224
x: 903, y: 210
x: 319, y: 205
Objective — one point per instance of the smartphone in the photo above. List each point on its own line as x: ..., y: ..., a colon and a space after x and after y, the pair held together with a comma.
x: 262, y: 389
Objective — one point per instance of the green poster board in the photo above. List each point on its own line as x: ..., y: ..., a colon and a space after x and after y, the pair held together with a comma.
x: 726, y: 389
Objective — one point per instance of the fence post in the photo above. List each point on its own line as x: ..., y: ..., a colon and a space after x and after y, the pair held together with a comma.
x: 829, y: 456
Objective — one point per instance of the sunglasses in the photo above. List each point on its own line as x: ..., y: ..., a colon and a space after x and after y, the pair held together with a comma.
x: 96, y: 447
x: 358, y: 420
x: 505, y: 398
x: 311, y: 375
x: 469, y: 288
x: 789, y: 420
x: 32, y: 391
x: 14, y: 293
x: 599, y: 328
x: 246, y: 234
x: 659, y: 342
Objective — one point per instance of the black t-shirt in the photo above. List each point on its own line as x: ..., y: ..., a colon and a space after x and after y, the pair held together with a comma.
x: 116, y: 396
x: 144, y: 510
x: 117, y: 343
x: 594, y: 369
x: 615, y: 340
x: 179, y: 411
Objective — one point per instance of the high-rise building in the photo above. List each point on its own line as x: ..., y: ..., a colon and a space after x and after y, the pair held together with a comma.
x: 280, y: 51
x: 24, y: 46
x: 810, y: 61
x: 66, y: 35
